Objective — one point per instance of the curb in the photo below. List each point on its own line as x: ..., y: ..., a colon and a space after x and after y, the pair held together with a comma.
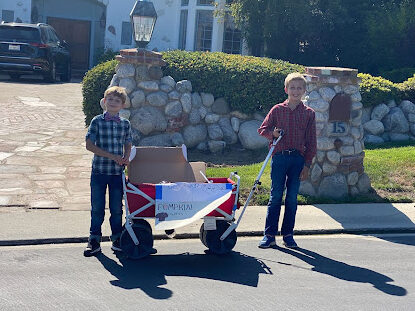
x: 196, y: 236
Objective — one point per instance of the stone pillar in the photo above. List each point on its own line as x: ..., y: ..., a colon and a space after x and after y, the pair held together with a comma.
x: 337, y: 169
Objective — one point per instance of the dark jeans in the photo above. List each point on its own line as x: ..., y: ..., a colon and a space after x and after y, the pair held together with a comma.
x: 285, y: 171
x: 99, y: 183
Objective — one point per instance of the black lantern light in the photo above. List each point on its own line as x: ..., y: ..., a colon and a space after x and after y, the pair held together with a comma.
x: 143, y: 18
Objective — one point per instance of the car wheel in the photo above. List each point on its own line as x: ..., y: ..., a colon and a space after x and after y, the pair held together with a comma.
x: 66, y: 76
x: 14, y: 76
x: 51, y: 74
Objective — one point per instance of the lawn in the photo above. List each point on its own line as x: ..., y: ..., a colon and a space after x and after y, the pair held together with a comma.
x: 391, y: 168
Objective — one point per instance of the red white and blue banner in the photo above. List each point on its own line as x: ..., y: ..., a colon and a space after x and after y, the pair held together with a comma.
x: 179, y: 204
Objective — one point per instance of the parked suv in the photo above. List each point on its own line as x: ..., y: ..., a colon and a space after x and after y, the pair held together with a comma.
x: 33, y: 49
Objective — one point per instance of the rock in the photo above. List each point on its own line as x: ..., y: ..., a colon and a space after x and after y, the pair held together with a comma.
x: 306, y: 188
x: 216, y: 146
x: 148, y: 119
x: 239, y: 115
x: 165, y: 88
x: 125, y: 113
x: 356, y: 97
x: 259, y: 116
x: 363, y: 183
x: 127, y: 103
x: 212, y: 118
x: 395, y: 121
x: 322, y: 117
x: 324, y: 143
x: 207, y: 99
x: 196, y: 100
x: 194, y: 116
x: 347, y: 150
x: 160, y: 140
x: 350, y: 89
x: 157, y: 99
x: 347, y: 140
x: 358, y: 148
x: 329, y: 169
x: 220, y: 106
x: 407, y: 107
x: 235, y: 124
x: 186, y: 100
x: 411, y: 117
x: 386, y: 136
x: 333, y: 157
x: 177, y: 139
x: 173, y: 109
x: 114, y: 81
x: 319, y: 105
x: 316, y: 172
x: 229, y: 135
x: 203, y: 112
x: 372, y: 139
x: 320, y: 156
x: 125, y: 70
x: 352, y: 178
x: 334, y: 186
x: 412, y: 128
x: 313, y: 96
x: 366, y: 114
x: 155, y: 72
x: 354, y: 191
x: 141, y: 73
x: 136, y: 136
x: 149, y: 86
x: 137, y: 98
x: 168, y: 80
x: 174, y: 95
x: 355, y: 132
x: 379, y: 112
x: 357, y: 106
x: 215, y: 132
x: 128, y: 84
x: 194, y: 134
x: 184, y: 86
x: 391, y: 103
x: 327, y: 93
x: 374, y: 127
x: 249, y: 137
x: 398, y: 136
x: 338, y: 89
x: 203, y: 146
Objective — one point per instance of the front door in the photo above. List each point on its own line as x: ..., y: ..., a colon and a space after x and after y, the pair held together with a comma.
x: 77, y: 34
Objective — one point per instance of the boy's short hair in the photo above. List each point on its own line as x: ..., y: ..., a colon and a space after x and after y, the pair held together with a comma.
x: 294, y: 76
x: 117, y: 91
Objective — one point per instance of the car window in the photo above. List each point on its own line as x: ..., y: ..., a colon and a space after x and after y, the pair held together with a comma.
x: 52, y: 36
x: 55, y: 35
x: 22, y: 34
x: 43, y: 34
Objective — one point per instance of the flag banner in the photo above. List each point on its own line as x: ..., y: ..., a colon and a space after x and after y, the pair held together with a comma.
x: 179, y: 204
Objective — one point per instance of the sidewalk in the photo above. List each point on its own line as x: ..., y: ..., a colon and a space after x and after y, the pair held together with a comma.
x: 21, y: 226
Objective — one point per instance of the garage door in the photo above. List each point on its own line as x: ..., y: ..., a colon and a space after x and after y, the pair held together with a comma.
x: 77, y: 33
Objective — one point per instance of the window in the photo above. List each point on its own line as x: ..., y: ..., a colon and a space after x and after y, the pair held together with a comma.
x: 185, y: 2
x: 204, y: 26
x: 231, y: 37
x: 126, y: 33
x: 205, y: 2
x: 7, y: 16
x: 183, y: 30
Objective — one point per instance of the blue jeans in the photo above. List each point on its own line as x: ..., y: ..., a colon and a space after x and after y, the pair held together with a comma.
x: 99, y: 183
x: 285, y: 171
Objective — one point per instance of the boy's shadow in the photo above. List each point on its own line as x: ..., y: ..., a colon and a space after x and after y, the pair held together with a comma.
x: 149, y: 274
x: 345, y: 272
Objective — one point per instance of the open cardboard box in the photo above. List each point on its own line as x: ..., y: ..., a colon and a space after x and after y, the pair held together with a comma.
x: 164, y: 164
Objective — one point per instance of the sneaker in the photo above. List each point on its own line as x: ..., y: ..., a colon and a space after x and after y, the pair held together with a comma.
x: 116, y: 246
x: 289, y: 241
x: 92, y: 248
x: 267, y: 241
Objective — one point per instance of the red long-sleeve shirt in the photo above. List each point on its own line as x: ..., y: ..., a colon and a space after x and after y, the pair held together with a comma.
x: 299, y: 127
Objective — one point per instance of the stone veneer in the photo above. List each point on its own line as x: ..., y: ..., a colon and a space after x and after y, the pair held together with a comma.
x: 337, y: 169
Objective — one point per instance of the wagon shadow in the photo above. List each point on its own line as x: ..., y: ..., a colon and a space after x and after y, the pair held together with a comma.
x: 149, y: 274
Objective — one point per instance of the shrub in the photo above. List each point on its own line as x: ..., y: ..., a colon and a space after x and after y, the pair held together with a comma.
x: 94, y: 85
x: 408, y: 89
x: 398, y: 75
x: 247, y: 83
x: 104, y: 55
x: 376, y: 90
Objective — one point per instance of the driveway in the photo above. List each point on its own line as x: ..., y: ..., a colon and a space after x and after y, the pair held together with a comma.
x: 43, y: 161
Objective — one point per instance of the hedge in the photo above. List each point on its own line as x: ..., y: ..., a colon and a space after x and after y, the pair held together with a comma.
x: 248, y: 83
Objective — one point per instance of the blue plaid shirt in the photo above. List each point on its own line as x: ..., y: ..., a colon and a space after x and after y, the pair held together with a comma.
x: 110, y: 136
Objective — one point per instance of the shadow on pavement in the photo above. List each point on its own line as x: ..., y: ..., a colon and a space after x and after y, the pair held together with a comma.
x: 380, y: 219
x: 149, y: 274
x: 346, y: 272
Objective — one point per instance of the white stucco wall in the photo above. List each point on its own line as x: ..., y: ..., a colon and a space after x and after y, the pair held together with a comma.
x: 21, y: 8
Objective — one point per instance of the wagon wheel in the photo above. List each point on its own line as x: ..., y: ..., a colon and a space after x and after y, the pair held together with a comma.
x: 142, y: 230
x: 211, y: 238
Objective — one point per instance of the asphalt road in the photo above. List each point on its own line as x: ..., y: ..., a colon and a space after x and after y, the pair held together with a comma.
x: 341, y: 272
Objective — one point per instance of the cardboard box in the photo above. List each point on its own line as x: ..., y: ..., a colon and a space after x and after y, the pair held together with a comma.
x: 163, y: 164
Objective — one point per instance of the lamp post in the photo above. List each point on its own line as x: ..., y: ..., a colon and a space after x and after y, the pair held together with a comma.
x: 143, y: 18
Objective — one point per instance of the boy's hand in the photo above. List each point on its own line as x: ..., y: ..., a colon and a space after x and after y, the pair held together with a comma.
x: 304, y: 173
x: 125, y: 160
x: 276, y: 133
x: 118, y: 159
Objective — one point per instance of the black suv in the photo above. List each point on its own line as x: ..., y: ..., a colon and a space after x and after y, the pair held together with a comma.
x: 33, y: 49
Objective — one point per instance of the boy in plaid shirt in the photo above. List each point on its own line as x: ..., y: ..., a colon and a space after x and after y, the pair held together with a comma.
x: 109, y: 138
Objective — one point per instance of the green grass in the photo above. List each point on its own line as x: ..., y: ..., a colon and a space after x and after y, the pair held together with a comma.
x: 391, y: 168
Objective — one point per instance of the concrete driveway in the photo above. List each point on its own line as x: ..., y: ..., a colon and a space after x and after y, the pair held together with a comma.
x: 43, y: 161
